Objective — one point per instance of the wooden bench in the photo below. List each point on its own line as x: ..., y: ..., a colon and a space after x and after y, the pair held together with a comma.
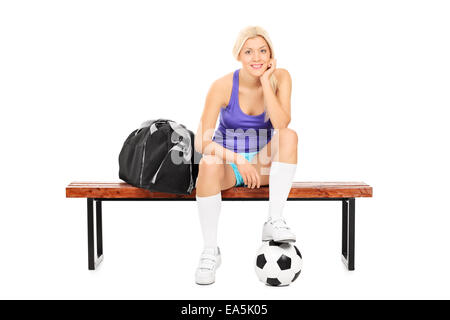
x: 97, y: 192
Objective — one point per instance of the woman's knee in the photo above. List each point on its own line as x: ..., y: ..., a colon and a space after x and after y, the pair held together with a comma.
x: 211, y: 166
x: 288, y: 137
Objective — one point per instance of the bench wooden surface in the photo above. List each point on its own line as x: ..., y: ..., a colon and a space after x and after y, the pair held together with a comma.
x: 113, y: 190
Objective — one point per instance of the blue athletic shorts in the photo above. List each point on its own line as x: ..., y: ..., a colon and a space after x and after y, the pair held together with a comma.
x: 239, y: 179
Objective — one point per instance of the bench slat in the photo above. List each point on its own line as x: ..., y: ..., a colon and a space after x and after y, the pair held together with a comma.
x: 298, y: 190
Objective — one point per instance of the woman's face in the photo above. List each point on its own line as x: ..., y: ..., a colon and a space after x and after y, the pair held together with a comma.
x: 255, y: 56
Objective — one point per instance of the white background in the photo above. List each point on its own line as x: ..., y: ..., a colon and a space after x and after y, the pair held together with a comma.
x: 370, y: 100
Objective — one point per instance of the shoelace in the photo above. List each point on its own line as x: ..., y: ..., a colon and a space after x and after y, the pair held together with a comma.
x: 207, y: 262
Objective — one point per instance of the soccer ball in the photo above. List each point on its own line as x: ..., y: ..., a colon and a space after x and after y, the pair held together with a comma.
x: 278, y: 264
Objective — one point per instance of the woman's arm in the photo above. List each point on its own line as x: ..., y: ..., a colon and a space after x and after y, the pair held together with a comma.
x: 279, y: 106
x: 203, y: 139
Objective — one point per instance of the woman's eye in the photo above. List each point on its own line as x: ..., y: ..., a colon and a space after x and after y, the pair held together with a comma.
x: 261, y: 50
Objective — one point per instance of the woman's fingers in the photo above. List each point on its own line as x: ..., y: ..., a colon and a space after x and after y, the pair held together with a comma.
x: 254, y: 180
x: 250, y: 181
x: 251, y: 178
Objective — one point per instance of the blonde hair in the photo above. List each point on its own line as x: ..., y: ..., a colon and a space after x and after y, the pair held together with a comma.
x: 249, y: 33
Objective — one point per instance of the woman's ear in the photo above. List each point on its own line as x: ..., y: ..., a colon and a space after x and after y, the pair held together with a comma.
x: 239, y: 56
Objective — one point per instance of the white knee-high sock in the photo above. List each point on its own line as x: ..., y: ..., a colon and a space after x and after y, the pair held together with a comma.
x: 280, y: 183
x: 209, y: 211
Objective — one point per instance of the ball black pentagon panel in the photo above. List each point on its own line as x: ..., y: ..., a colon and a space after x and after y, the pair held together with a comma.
x: 274, y: 244
x: 296, y: 276
x: 273, y: 282
x: 261, y: 261
x: 298, y: 252
x: 284, y: 262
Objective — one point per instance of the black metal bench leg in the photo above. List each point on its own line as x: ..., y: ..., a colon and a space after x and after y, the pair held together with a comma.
x: 90, y: 221
x: 344, y: 227
x: 348, y: 233
x: 99, y: 231
x: 92, y: 261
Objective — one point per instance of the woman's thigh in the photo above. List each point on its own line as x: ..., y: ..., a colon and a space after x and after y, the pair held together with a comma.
x: 262, y: 162
x: 229, y: 179
x: 224, y: 173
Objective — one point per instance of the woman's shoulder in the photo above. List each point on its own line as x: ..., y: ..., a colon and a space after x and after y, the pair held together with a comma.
x: 223, y: 87
x: 226, y: 80
x: 282, y: 74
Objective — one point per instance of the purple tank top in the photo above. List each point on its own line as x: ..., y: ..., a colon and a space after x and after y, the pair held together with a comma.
x: 239, y: 131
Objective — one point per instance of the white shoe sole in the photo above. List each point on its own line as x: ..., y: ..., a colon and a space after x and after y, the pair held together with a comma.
x: 279, y: 240
x: 204, y: 281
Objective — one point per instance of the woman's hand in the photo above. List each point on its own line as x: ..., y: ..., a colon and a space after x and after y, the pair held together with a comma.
x: 270, y: 69
x: 249, y: 173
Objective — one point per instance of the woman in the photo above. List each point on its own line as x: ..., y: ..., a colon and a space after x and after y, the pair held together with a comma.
x: 252, y: 145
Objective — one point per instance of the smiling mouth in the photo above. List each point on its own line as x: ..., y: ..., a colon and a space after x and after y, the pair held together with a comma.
x: 256, y: 66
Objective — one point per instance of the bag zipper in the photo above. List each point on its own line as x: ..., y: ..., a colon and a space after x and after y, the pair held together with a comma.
x: 143, y: 157
x: 160, y: 165
x: 157, y: 171
x: 191, y: 184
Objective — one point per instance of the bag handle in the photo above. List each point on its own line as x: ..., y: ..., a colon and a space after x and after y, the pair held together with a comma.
x: 150, y: 123
x: 179, y: 129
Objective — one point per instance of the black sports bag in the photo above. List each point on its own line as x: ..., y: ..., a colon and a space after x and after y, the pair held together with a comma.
x: 160, y: 156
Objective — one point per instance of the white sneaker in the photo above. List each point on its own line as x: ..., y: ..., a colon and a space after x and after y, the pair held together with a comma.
x: 277, y: 231
x: 210, y: 260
